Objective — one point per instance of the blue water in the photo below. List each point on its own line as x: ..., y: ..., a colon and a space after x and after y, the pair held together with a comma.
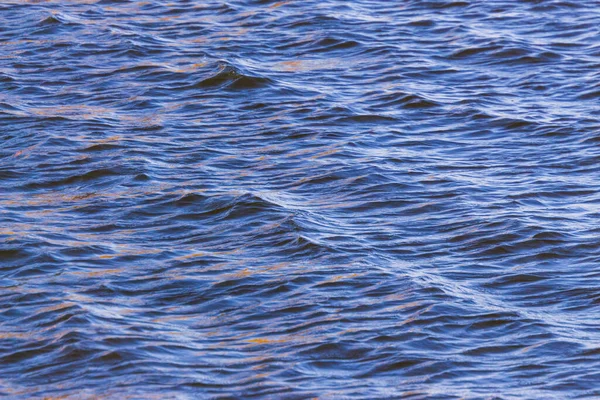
x: 300, y: 199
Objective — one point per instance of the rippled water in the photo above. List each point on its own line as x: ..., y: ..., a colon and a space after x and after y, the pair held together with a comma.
x: 300, y: 199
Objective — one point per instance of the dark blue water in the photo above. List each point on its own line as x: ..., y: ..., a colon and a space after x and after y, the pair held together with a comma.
x: 300, y: 199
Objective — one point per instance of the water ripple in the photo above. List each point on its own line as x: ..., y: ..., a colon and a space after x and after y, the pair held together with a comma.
x: 282, y: 199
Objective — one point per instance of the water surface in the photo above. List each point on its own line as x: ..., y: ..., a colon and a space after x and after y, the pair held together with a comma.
x: 299, y: 199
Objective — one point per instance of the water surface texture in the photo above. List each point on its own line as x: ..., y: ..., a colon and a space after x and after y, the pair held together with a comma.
x: 300, y: 199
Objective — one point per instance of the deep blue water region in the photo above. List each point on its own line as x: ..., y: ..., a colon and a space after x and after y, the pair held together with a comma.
x: 329, y: 199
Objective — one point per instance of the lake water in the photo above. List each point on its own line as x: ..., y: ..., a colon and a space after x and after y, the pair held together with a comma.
x: 300, y: 199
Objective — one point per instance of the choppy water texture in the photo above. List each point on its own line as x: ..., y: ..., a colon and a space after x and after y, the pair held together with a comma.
x: 300, y: 199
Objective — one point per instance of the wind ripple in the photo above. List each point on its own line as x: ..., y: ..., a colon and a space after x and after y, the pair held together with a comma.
x: 283, y: 199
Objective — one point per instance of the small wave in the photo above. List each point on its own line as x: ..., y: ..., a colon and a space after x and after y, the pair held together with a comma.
x: 229, y: 77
